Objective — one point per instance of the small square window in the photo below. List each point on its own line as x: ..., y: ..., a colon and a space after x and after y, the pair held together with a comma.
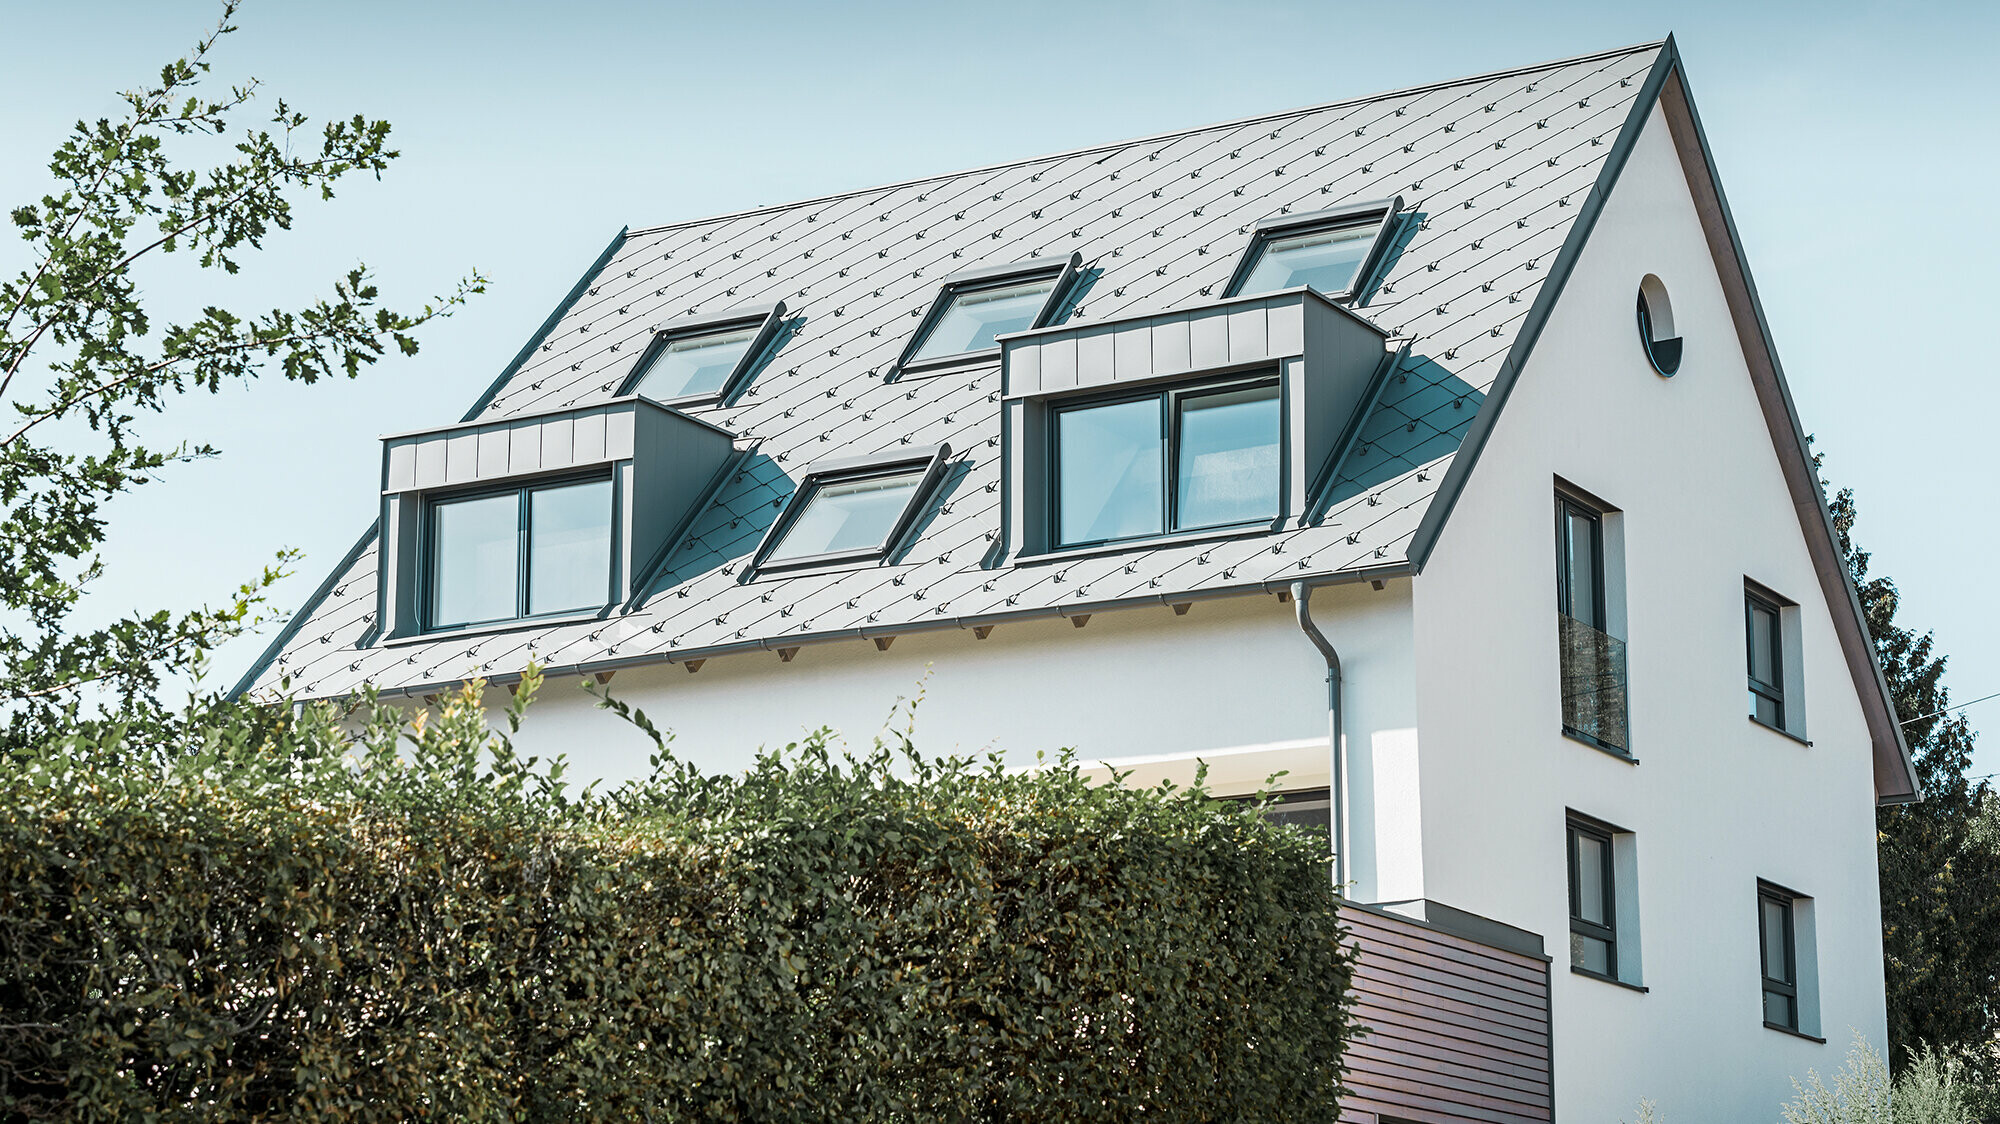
x: 532, y: 551
x: 851, y: 512
x: 1180, y: 460
x: 1777, y: 940
x: 1331, y: 251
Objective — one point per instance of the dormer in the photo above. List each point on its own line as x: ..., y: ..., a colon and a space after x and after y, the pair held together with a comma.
x: 1222, y: 420
x: 536, y: 520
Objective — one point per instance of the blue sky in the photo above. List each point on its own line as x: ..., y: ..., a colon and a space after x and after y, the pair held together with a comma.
x: 1857, y: 143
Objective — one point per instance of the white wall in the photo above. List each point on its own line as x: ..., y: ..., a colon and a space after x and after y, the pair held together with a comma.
x: 1139, y: 682
x: 1715, y: 801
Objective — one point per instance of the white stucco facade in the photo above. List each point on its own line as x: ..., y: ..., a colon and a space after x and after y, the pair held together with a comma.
x: 1459, y: 775
x: 1715, y: 801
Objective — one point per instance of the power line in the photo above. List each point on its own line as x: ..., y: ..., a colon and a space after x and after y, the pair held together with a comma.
x: 1949, y: 709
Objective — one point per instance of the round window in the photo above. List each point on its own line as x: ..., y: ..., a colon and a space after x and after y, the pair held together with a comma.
x: 1656, y: 327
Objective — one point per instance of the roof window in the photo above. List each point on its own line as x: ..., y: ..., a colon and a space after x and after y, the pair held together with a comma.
x: 975, y: 307
x: 1334, y: 251
x: 851, y: 510
x: 704, y: 359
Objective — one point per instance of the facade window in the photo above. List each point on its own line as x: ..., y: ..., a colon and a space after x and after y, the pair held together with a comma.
x: 1778, y: 951
x: 531, y: 551
x: 1593, y: 898
x: 976, y: 307
x: 1179, y: 460
x: 1763, y: 623
x: 851, y: 511
x: 1594, y: 705
x: 1580, y: 562
x: 1331, y: 251
x: 1309, y: 808
x: 1656, y: 327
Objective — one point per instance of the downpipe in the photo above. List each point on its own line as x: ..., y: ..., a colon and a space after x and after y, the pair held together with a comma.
x: 1336, y: 754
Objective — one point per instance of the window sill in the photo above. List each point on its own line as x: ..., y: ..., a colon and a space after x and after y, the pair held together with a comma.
x: 490, y: 628
x: 1602, y: 978
x: 1153, y: 542
x: 1580, y: 736
x: 1782, y: 1029
x: 1778, y: 730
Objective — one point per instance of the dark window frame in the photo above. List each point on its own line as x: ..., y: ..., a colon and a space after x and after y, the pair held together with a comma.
x: 1663, y: 354
x: 930, y: 459
x: 427, y: 585
x: 1774, y: 692
x: 980, y: 279
x: 1169, y: 398
x: 1383, y: 214
x: 1568, y: 505
x: 1788, y: 987
x: 1608, y: 933
x: 766, y: 320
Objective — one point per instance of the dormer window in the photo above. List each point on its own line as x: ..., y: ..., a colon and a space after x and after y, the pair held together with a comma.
x: 1177, y: 460
x: 530, y: 551
x: 704, y: 359
x: 975, y: 307
x: 536, y: 518
x: 1334, y: 252
x: 851, y: 511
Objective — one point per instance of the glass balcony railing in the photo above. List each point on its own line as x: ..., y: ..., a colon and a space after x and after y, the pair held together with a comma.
x: 1593, y: 684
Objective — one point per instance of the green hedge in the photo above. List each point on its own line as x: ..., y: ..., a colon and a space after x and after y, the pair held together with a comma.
x: 291, y: 923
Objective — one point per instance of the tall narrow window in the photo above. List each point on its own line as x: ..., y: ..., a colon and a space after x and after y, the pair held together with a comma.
x: 1765, y: 640
x: 1593, y: 925
x: 1580, y: 562
x: 1593, y: 660
x: 525, y: 552
x: 1778, y: 951
x: 1179, y: 460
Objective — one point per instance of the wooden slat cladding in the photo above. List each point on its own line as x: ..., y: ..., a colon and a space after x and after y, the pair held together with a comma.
x: 1458, y: 1029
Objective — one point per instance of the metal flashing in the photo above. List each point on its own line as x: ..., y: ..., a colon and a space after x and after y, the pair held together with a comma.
x: 548, y: 325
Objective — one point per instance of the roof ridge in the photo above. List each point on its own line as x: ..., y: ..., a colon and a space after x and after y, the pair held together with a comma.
x: 1406, y: 91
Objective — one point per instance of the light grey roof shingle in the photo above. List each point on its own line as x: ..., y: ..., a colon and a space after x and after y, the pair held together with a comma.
x: 1494, y: 166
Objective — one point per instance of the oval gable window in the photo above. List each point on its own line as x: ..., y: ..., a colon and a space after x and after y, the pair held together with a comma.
x: 1656, y: 327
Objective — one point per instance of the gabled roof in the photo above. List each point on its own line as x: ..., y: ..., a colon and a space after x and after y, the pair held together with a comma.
x: 1497, y: 169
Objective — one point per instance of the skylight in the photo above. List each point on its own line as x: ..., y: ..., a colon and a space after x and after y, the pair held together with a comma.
x: 1331, y: 251
x: 852, y: 510
x: 975, y: 307
x: 701, y: 359
x: 972, y: 319
x: 848, y: 515
x: 694, y: 366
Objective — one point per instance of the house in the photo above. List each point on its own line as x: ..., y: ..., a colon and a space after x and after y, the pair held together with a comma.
x: 1446, y: 420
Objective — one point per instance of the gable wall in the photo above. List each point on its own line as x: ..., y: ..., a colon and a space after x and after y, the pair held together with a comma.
x: 1716, y: 802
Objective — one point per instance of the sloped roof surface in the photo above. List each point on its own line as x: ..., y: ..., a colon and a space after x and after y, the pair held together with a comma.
x: 1495, y: 167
